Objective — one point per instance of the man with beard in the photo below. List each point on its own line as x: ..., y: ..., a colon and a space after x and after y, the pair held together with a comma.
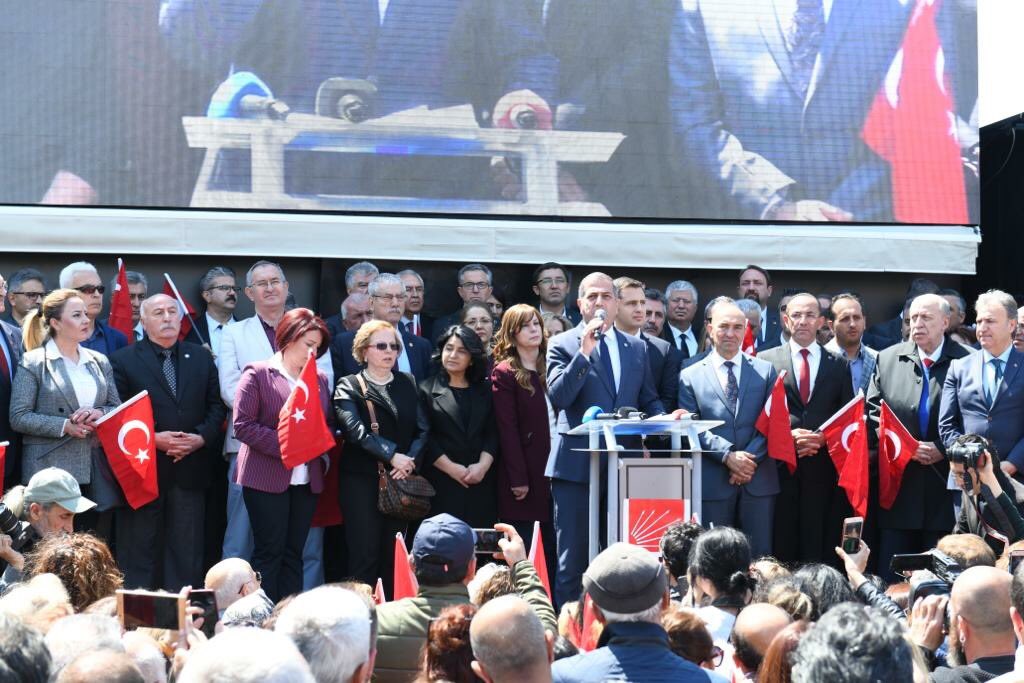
x: 220, y: 293
x: 981, y: 638
x: 756, y: 284
x: 655, y: 312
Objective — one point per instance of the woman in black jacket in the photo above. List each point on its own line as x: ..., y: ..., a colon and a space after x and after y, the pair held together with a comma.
x: 396, y: 448
x: 463, y: 433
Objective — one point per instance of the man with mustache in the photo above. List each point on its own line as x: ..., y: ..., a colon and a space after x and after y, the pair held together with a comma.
x: 220, y: 293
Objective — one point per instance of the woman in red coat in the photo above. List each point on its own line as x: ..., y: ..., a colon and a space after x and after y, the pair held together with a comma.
x: 280, y: 501
x: 524, y: 421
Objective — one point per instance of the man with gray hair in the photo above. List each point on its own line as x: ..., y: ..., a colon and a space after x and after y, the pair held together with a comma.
x: 82, y: 276
x: 107, y: 666
x: 984, y: 392
x: 414, y: 320
x: 246, y: 655
x: 682, y: 307
x: 854, y: 644
x: 509, y: 643
x: 25, y: 292
x: 220, y: 292
x: 331, y: 628
x: 24, y: 656
x: 354, y: 311
x: 629, y: 587
x: 80, y: 633
x: 475, y: 285
x: 359, y: 276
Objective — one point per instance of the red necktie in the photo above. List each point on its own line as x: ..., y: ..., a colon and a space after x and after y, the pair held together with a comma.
x: 928, y: 363
x: 804, y: 378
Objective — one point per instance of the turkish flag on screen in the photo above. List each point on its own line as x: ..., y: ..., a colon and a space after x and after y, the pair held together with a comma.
x: 302, y: 431
x: 846, y: 434
x: 895, y: 448
x: 126, y: 434
x: 121, y: 305
x: 774, y: 424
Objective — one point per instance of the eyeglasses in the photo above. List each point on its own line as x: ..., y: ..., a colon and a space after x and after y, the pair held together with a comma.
x: 28, y: 295
x: 225, y: 289
x: 414, y: 290
x: 390, y: 297
x: 257, y: 577
x: 475, y: 286
x: 548, y: 281
x: 91, y: 289
x: 717, y: 656
x: 384, y: 346
x: 268, y: 284
x: 473, y: 322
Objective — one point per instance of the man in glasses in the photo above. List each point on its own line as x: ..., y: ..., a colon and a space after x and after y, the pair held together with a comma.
x: 475, y: 282
x: 551, y: 284
x: 231, y: 580
x: 83, y: 276
x: 25, y: 292
x: 387, y: 302
x: 220, y: 293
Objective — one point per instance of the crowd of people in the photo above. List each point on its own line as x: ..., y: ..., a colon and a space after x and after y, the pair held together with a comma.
x: 479, y: 403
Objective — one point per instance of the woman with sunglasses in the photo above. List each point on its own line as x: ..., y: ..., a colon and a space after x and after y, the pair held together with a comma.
x: 59, y: 392
x: 397, y: 445
x: 463, y: 436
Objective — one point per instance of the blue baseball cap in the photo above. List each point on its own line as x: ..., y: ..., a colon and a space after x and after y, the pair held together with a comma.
x: 444, y: 539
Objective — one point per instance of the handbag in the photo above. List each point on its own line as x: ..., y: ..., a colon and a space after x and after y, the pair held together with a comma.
x: 406, y: 499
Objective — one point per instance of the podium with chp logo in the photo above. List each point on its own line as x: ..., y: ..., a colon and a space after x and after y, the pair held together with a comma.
x: 660, y: 480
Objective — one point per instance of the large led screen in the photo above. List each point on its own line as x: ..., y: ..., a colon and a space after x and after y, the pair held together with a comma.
x: 737, y: 110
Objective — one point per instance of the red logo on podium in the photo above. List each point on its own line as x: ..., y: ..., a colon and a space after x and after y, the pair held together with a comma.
x: 644, y: 520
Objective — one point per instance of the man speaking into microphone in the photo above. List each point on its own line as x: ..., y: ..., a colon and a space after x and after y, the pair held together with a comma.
x: 590, y: 365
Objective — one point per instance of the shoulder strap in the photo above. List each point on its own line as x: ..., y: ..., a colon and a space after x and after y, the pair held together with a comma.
x: 374, y: 425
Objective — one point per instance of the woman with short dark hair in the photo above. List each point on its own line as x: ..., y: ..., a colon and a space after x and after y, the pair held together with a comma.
x: 720, y: 578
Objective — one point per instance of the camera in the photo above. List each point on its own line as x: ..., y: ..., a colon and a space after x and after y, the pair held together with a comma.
x: 12, y: 526
x: 942, y: 568
x: 965, y: 454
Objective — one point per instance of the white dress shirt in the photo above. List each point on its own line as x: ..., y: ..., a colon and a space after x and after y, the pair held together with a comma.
x: 813, y: 360
x: 988, y: 370
x: 216, y: 329
x: 688, y: 337
x: 721, y: 372
x: 300, y: 474
x: 382, y: 7
x: 611, y: 340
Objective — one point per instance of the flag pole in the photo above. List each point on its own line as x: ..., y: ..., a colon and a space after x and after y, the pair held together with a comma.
x: 184, y: 308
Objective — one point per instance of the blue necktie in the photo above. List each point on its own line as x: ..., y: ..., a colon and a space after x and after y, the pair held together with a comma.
x: 606, y: 363
x: 732, y: 387
x: 922, y: 408
x: 997, y: 364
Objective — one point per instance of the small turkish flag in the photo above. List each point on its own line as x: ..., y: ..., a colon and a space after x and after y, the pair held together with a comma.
x: 774, y: 424
x: 187, y: 311
x: 302, y: 431
x: 121, y: 305
x: 538, y: 560
x: 895, y: 449
x: 126, y: 434
x: 3, y: 462
x: 378, y: 593
x: 846, y: 434
x: 749, y: 347
x: 406, y: 585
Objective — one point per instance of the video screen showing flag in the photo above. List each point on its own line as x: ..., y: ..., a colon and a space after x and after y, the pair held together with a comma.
x: 749, y: 110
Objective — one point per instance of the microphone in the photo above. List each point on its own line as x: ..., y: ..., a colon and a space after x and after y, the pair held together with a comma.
x: 623, y: 413
x: 601, y: 315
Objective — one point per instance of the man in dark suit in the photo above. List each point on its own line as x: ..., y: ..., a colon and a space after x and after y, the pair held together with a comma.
x: 219, y: 291
x: 387, y: 295
x: 551, y: 284
x: 909, y: 378
x: 10, y: 356
x: 738, y: 483
x: 355, y: 310
x: 756, y: 284
x: 885, y: 334
x: 662, y: 357
x: 414, y: 320
x: 811, y: 506
x: 681, y: 310
x: 181, y: 379
x: 585, y: 371
x: 984, y: 392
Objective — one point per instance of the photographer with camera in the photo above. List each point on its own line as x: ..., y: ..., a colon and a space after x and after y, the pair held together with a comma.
x: 990, y: 507
x: 46, y: 505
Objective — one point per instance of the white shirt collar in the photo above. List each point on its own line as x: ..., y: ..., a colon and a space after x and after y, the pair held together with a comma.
x: 934, y: 355
x: 717, y: 361
x: 814, y: 348
x: 1004, y: 356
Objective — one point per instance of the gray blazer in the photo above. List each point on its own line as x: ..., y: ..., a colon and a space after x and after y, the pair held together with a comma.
x: 42, y: 397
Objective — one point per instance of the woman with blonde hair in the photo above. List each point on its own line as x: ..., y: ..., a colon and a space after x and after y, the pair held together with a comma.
x: 59, y: 392
x: 525, y: 421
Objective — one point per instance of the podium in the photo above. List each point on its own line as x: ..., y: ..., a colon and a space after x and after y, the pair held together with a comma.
x: 609, y: 432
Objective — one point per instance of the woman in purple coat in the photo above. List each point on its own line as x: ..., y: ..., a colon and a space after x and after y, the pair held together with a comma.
x: 280, y: 501
x: 523, y: 414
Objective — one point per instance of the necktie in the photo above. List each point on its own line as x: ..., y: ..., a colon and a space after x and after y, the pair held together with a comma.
x: 684, y: 348
x: 804, y: 377
x: 168, y: 368
x: 922, y: 408
x: 804, y: 36
x: 606, y: 363
x: 732, y: 387
x: 997, y: 365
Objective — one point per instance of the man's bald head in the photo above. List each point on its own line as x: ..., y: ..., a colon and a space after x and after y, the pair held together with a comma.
x: 981, y: 597
x: 101, y: 665
x: 227, y: 579
x: 754, y: 630
x: 509, y: 642
x: 726, y: 328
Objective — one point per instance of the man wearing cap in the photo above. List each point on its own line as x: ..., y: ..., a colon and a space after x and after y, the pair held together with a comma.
x: 443, y: 560
x: 46, y: 505
x: 629, y: 587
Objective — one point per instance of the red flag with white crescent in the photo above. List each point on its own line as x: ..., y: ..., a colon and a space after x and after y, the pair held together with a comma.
x: 896, y: 447
x: 846, y: 434
x: 127, y: 436
x: 187, y: 311
x: 749, y: 345
x: 774, y: 424
x: 121, y: 305
x: 302, y: 430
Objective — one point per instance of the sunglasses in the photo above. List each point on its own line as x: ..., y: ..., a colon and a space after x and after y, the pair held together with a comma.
x: 384, y: 346
x: 91, y: 289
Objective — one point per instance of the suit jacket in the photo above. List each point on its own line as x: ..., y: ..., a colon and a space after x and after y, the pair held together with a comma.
x: 922, y: 502
x: 524, y: 432
x: 195, y: 408
x: 12, y: 463
x: 701, y: 394
x: 335, y: 325
x: 965, y: 411
x: 886, y: 334
x: 417, y: 349
x: 262, y: 393
x: 200, y: 332
x: 42, y: 398
x: 665, y: 361
x: 243, y: 343
x: 444, y: 322
x: 772, y: 330
x: 576, y: 383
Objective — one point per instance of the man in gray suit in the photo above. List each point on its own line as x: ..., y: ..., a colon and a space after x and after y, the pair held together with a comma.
x: 738, y: 485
